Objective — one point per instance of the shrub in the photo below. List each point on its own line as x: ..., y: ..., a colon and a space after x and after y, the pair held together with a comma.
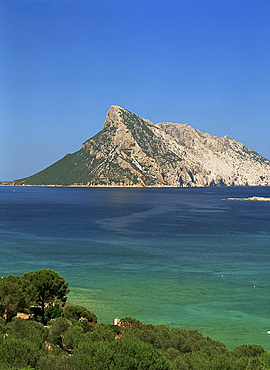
x: 28, y: 330
x: 18, y: 353
x: 77, y: 312
x: 72, y: 337
x: 57, y: 331
x: 118, y: 355
x: 248, y: 350
x: 54, y: 359
x: 101, y: 333
x: 52, y: 312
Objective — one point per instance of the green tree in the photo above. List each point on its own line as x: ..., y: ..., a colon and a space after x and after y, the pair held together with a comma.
x: 49, y: 287
x: 248, y: 350
x: 31, y: 331
x: 118, y: 355
x: 3, y: 327
x: 131, y: 322
x: 77, y: 312
x: 15, y: 295
x: 17, y: 353
x: 57, y: 331
x: 54, y: 360
x: 52, y: 312
x: 183, y: 362
x: 72, y: 337
x: 101, y: 333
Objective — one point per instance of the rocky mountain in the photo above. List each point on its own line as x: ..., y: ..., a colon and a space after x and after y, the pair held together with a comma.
x: 132, y: 151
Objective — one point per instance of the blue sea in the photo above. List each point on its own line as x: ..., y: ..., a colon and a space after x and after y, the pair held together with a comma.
x: 184, y: 257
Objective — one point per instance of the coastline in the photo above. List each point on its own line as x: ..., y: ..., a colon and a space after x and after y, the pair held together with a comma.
x: 12, y: 184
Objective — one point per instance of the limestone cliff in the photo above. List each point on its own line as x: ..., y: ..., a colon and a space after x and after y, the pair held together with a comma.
x: 132, y: 151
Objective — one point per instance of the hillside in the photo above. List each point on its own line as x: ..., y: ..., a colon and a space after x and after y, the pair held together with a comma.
x: 132, y: 151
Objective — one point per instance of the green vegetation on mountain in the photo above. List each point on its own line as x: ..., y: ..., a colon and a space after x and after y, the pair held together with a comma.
x: 69, y: 170
x: 79, y: 168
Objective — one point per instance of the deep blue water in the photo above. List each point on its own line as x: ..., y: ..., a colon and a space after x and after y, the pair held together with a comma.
x: 185, y: 255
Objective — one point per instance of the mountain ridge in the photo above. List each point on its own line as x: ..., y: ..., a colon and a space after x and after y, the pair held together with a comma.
x: 133, y: 151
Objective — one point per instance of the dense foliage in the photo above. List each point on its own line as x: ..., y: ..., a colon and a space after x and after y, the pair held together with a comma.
x: 48, y: 286
x: 42, y: 287
x: 73, y: 340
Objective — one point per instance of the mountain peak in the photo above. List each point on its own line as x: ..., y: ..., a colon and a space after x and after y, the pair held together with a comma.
x: 114, y: 108
x: 113, y: 116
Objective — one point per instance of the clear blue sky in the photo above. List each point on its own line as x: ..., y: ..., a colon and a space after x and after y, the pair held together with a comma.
x: 64, y: 63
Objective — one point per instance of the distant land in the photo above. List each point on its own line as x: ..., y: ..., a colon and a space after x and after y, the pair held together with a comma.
x: 252, y: 199
x: 132, y: 151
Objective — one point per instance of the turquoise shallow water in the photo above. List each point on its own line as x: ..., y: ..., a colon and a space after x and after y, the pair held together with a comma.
x: 183, y: 256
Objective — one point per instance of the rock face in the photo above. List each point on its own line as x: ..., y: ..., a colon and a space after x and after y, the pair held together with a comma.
x: 132, y: 151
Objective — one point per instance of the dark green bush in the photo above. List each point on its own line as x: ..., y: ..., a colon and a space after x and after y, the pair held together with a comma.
x: 77, y: 312
x: 248, y: 350
x: 55, y: 359
x: 31, y: 331
x: 18, y: 353
x: 57, y: 331
x: 101, y: 333
x: 52, y: 312
x: 118, y: 355
x: 72, y: 337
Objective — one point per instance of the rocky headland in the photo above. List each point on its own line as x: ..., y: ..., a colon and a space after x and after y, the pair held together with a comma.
x: 133, y: 151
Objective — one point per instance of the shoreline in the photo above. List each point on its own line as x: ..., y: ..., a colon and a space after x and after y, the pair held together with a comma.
x: 141, y: 187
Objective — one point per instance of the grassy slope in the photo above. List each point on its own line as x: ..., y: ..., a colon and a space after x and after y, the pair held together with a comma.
x: 67, y: 171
